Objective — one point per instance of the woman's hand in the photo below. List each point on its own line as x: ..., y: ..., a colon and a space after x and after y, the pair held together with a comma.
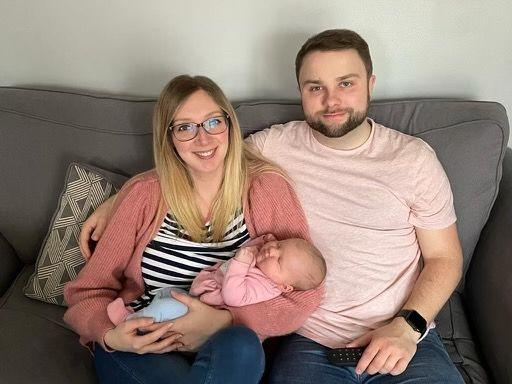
x: 95, y: 225
x: 124, y: 337
x: 201, y: 322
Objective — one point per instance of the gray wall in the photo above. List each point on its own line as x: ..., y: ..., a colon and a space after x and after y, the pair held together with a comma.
x: 460, y: 48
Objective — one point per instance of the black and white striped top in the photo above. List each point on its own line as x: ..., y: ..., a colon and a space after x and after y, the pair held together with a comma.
x: 171, y: 259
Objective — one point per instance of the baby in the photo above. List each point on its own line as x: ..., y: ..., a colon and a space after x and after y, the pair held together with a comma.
x: 262, y: 269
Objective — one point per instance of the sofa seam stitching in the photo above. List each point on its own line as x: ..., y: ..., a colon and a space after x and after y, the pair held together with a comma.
x: 77, y: 126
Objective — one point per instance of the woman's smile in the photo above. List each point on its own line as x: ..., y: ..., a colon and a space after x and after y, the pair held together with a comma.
x: 205, y: 155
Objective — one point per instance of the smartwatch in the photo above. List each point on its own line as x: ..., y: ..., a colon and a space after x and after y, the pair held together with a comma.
x: 414, y: 319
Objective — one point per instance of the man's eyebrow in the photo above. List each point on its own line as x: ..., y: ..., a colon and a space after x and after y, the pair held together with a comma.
x: 345, y: 77
x: 306, y: 82
x: 340, y: 78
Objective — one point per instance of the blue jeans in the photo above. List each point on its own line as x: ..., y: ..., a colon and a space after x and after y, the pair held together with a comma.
x: 300, y: 360
x: 232, y: 355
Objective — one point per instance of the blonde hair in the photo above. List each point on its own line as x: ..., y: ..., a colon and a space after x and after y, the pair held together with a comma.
x: 240, y: 164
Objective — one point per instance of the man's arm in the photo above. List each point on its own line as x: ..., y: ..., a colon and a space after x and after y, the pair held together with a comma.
x: 94, y: 226
x: 442, y: 270
x: 391, y: 347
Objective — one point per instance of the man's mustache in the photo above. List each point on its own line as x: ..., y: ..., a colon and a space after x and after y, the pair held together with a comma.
x: 333, y: 111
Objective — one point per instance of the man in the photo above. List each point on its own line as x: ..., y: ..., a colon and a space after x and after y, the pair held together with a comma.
x: 376, y: 201
x: 379, y: 205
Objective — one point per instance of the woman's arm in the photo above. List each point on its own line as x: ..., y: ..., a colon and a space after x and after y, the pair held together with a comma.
x: 272, y: 207
x: 103, y: 276
x: 280, y: 316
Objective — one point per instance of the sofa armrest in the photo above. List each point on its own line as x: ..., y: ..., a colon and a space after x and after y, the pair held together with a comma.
x: 488, y: 290
x: 10, y: 264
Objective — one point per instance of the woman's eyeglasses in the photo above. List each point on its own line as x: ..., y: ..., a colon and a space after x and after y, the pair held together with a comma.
x: 187, y: 131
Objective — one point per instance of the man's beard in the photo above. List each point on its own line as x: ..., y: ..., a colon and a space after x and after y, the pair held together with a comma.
x: 355, y: 119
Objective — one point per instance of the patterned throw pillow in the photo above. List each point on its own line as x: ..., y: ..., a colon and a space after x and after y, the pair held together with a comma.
x: 60, y: 259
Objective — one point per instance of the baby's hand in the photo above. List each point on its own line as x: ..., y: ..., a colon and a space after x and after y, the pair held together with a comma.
x: 269, y: 237
x: 260, y: 241
x: 246, y: 255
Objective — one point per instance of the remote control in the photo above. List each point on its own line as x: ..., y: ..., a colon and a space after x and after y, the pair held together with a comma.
x: 345, y: 356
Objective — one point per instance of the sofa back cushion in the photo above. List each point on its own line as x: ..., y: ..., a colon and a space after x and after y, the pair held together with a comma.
x: 469, y: 137
x: 43, y: 131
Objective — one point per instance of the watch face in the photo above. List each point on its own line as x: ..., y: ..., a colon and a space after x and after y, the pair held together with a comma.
x: 417, y: 321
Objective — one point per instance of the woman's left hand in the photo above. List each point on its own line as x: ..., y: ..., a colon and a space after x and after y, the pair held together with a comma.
x: 201, y: 322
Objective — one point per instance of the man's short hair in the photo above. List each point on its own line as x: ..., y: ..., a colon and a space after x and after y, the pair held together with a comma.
x: 335, y: 40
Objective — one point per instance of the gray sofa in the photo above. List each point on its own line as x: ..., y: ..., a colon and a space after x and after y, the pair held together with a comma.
x: 42, y: 131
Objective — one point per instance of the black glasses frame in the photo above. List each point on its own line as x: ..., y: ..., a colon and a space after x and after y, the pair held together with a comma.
x: 200, y: 125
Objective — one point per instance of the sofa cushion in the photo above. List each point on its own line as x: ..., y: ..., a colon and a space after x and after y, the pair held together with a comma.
x: 11, y: 265
x: 115, y: 133
x: 58, y: 128
x: 34, y: 350
x: 36, y: 345
x: 489, y: 285
x: 15, y: 300
x: 453, y: 327
x: 60, y: 259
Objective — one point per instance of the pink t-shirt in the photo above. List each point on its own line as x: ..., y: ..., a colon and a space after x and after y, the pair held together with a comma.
x: 362, y: 206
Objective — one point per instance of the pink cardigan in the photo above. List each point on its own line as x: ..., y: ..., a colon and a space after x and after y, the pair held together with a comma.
x: 114, y: 269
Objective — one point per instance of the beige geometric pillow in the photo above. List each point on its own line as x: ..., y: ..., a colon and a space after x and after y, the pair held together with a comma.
x: 60, y: 259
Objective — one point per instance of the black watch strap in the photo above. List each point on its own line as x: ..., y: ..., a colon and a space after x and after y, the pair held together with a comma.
x: 415, y: 320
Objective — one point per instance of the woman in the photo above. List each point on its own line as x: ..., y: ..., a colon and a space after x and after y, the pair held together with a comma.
x: 207, y: 195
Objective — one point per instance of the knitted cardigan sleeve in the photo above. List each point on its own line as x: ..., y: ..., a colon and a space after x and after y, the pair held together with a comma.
x: 272, y: 206
x: 103, y: 276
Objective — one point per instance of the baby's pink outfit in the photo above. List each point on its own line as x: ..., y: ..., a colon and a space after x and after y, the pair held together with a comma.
x: 233, y: 283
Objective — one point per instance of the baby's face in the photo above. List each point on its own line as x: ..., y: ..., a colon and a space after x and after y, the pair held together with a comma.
x: 278, y: 260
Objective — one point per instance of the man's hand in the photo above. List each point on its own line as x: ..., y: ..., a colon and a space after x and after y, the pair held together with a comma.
x: 124, y: 337
x: 95, y: 225
x: 201, y: 322
x: 389, y: 348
